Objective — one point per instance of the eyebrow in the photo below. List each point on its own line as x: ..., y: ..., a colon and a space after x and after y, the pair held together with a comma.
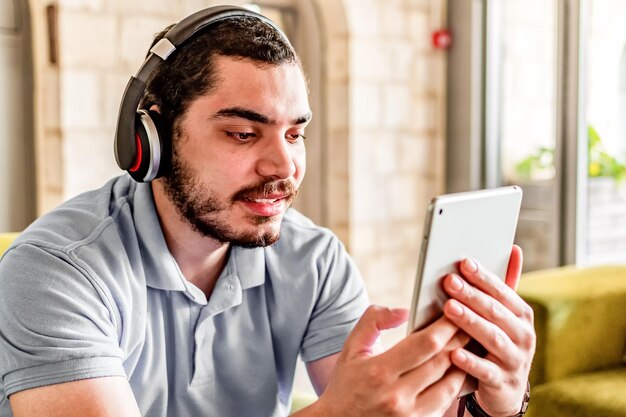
x: 253, y: 116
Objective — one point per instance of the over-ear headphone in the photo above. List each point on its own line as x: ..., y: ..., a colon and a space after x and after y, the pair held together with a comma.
x: 141, y: 142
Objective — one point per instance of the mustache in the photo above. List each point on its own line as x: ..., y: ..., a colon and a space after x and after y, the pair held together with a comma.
x: 265, y: 188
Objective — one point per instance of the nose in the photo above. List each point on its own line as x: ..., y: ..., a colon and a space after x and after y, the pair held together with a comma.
x: 277, y: 158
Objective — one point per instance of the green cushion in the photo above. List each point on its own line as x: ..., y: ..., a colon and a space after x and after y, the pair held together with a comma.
x: 301, y: 400
x: 5, y: 241
x: 599, y: 394
x: 580, y: 319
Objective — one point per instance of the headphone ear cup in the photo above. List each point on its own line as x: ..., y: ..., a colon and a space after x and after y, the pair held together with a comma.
x: 141, y: 159
x: 149, y: 146
x: 165, y: 142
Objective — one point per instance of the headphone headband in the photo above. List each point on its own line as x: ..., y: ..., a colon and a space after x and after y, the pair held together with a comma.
x: 127, y: 139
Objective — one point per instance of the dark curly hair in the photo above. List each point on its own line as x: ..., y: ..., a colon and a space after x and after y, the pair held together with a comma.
x: 190, y: 71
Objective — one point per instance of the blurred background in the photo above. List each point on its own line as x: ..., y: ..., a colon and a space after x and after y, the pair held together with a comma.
x: 412, y: 98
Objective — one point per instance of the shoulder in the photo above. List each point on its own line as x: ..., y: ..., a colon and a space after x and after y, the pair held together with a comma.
x: 84, y: 248
x: 80, y: 219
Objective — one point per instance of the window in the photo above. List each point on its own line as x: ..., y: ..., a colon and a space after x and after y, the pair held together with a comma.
x: 549, y: 100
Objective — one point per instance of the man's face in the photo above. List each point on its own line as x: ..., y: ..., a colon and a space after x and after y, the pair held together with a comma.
x: 240, y: 157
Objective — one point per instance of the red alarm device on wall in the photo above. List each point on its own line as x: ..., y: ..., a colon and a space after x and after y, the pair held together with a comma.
x: 442, y: 38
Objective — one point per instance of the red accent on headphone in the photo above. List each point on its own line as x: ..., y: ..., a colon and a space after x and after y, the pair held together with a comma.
x: 138, y: 159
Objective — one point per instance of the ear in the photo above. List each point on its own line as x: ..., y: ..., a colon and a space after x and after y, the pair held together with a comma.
x: 155, y: 108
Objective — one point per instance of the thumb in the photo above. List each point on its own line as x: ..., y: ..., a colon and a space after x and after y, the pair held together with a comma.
x: 365, y: 334
x: 514, y: 270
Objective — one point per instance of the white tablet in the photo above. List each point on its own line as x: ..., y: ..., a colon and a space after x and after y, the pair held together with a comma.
x: 477, y: 224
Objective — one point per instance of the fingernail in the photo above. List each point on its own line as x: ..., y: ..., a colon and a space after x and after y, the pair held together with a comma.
x: 471, y: 265
x: 455, y: 308
x: 461, y: 356
x: 455, y: 283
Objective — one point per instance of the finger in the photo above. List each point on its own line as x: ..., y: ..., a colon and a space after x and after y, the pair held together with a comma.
x: 437, y: 398
x: 433, y: 370
x: 492, y: 285
x: 485, y: 371
x: 420, y: 346
x: 493, y: 338
x: 514, y: 270
x: 486, y: 306
x: 363, y: 338
x: 493, y: 379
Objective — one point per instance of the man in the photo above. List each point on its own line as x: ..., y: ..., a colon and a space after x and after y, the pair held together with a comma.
x: 193, y: 294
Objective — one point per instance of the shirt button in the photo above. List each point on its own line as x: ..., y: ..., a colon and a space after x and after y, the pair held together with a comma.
x: 230, y: 287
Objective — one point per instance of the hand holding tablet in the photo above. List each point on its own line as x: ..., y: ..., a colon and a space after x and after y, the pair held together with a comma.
x: 424, y: 373
x: 462, y: 229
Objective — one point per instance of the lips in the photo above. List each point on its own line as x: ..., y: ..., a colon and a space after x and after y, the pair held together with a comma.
x: 266, y: 199
x: 266, y: 206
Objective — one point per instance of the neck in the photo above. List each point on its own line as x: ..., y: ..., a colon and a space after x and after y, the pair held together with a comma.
x: 201, y: 259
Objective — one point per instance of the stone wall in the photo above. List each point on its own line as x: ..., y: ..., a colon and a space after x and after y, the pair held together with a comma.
x: 397, y: 92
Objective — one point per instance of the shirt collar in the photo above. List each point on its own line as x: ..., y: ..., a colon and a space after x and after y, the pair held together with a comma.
x: 248, y: 265
x: 160, y: 268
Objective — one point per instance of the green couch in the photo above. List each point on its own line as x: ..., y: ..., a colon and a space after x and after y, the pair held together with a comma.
x: 5, y: 241
x: 580, y: 319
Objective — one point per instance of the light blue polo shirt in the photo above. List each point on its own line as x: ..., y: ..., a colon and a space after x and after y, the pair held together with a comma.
x: 91, y: 290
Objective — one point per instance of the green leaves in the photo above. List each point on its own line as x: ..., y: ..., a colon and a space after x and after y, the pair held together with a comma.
x: 539, y: 165
x: 601, y: 164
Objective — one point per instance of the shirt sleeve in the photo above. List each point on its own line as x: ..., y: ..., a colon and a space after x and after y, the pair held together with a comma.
x: 55, y: 324
x: 341, y: 300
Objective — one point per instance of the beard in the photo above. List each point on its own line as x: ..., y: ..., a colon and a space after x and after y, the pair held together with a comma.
x: 209, y: 215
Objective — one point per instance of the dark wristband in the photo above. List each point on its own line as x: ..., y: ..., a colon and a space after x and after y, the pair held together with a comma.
x: 475, y: 410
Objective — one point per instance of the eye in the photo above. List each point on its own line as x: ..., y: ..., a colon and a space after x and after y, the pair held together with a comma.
x: 295, y: 137
x: 241, y: 136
